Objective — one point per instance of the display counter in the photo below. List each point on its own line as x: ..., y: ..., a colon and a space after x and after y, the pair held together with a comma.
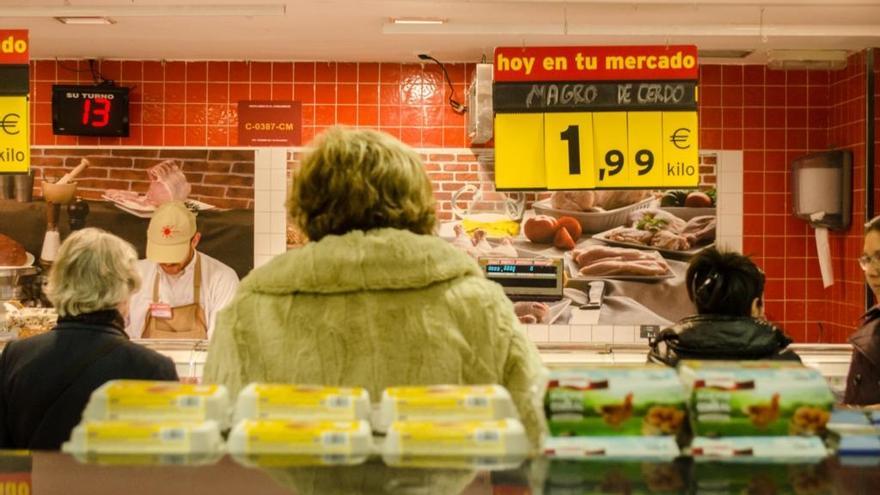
x: 38, y: 473
x: 226, y: 235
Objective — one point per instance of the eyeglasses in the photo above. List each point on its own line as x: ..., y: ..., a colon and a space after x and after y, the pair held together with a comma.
x: 868, y: 260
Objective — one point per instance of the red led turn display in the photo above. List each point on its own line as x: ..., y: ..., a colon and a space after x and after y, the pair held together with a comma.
x: 90, y: 110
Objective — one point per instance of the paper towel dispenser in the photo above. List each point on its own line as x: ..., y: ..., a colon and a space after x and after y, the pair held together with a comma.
x: 822, y: 188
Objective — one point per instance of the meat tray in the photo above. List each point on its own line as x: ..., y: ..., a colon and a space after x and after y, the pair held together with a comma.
x: 668, y: 253
x: 593, y: 222
x: 574, y: 273
x: 142, y: 212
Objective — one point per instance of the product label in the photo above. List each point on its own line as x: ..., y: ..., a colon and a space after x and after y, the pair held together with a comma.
x: 301, y: 437
x: 328, y: 402
x: 121, y: 436
x: 473, y: 437
x: 471, y: 402
x: 137, y: 400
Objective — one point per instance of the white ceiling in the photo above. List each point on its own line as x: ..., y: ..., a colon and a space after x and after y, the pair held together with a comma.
x: 359, y: 30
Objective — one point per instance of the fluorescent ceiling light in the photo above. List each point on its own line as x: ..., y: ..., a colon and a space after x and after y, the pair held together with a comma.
x: 85, y: 20
x: 418, y: 20
x: 170, y: 10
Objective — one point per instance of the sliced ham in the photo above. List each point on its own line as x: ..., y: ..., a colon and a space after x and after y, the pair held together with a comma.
x: 167, y: 183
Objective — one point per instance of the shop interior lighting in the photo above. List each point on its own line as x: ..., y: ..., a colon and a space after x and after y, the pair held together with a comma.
x: 85, y: 20
x: 116, y: 11
x: 418, y: 21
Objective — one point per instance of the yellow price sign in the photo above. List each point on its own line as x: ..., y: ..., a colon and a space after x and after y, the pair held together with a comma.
x: 519, y: 156
x: 681, y: 160
x: 15, y: 150
x: 596, y: 150
x: 568, y: 148
x: 610, y: 148
x: 645, y: 149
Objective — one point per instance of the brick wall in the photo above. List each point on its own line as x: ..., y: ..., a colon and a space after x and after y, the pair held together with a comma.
x: 223, y: 178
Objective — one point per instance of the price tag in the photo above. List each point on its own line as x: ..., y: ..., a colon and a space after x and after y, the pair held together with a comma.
x: 680, y: 150
x: 520, y: 148
x: 645, y: 149
x: 15, y: 151
x: 568, y: 145
x: 610, y: 149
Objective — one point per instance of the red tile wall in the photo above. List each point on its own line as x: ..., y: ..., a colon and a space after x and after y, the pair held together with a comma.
x: 195, y: 103
x: 773, y: 116
x: 847, y: 128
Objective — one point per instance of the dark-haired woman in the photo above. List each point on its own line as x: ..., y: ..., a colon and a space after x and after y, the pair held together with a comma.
x: 727, y: 289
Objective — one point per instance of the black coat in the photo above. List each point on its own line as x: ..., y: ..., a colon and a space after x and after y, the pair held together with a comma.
x: 719, y: 337
x: 36, y: 412
x: 863, y: 379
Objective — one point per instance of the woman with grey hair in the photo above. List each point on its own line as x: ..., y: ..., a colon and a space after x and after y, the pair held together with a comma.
x: 46, y: 380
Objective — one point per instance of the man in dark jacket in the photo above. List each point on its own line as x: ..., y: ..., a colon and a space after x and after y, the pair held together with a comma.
x: 863, y: 380
x: 46, y: 380
x: 728, y: 290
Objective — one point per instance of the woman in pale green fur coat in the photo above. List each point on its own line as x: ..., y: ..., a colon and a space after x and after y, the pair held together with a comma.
x: 374, y: 300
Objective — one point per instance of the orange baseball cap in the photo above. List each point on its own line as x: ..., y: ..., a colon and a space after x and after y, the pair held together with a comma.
x: 170, y: 232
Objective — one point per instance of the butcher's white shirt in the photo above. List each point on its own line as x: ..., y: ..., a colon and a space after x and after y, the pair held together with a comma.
x: 218, y: 286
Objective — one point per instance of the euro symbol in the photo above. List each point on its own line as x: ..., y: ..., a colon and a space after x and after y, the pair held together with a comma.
x: 683, y: 138
x: 10, y: 121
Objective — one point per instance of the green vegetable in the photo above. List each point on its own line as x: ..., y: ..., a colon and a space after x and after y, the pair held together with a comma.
x: 651, y: 224
x: 713, y: 195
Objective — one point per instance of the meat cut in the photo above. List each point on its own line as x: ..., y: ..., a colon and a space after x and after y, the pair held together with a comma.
x: 167, y: 183
x: 531, y: 311
x: 479, y: 244
x: 598, y: 261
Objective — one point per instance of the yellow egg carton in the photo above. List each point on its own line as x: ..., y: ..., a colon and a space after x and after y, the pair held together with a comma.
x: 302, y: 402
x: 142, y: 400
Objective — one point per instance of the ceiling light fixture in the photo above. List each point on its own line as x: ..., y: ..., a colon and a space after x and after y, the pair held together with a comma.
x: 418, y: 20
x: 85, y: 20
x: 169, y: 10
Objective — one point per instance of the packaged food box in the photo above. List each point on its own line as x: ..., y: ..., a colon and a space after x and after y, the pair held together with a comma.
x: 615, y: 447
x: 304, y: 402
x: 141, y: 400
x: 779, y: 449
x: 276, y: 436
x: 276, y: 461
x: 504, y: 437
x: 604, y: 401
x: 144, y: 437
x: 445, y: 402
x: 755, y: 398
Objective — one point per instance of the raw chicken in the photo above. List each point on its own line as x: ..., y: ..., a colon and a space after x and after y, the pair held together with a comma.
x: 608, y: 261
x: 609, y: 267
x: 630, y: 235
x: 504, y: 249
x: 531, y: 311
x: 464, y: 242
x: 611, y: 200
x: 592, y: 254
x: 573, y: 200
x: 700, y: 229
x: 479, y: 245
x: 167, y: 183
x: 670, y: 240
x: 656, y: 219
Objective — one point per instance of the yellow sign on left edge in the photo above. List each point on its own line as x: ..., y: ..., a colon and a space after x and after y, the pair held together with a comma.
x: 15, y: 149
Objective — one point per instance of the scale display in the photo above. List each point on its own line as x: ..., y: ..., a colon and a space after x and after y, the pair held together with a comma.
x: 90, y: 111
x: 534, y: 279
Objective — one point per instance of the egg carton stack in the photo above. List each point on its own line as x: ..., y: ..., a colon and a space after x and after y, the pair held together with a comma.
x: 450, y: 421
x: 284, y: 425
x: 152, y: 418
x: 614, y: 413
x: 756, y: 411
